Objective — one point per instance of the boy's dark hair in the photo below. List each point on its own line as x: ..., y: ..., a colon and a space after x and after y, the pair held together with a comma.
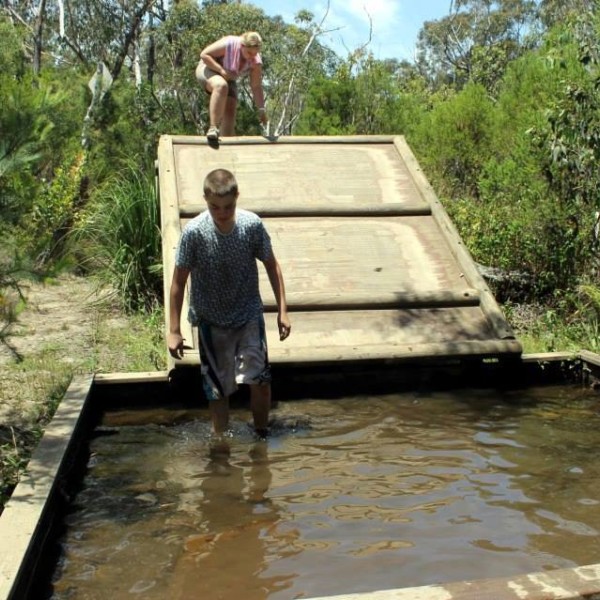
x: 220, y: 182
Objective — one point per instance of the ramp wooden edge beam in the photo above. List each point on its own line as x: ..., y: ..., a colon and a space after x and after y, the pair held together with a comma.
x: 308, y: 139
x: 463, y: 257
x: 171, y: 229
x: 399, y: 300
x: 387, y: 210
x: 388, y: 353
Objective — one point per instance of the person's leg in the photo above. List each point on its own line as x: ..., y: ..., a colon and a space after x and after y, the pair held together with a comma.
x: 260, y: 404
x: 217, y: 361
x: 252, y: 368
x: 219, y: 414
x: 228, y: 122
x: 218, y: 88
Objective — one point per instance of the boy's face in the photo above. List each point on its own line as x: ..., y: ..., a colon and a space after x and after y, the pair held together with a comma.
x: 222, y: 210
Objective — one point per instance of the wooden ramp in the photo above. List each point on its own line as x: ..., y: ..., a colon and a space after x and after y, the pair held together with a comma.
x: 373, y: 267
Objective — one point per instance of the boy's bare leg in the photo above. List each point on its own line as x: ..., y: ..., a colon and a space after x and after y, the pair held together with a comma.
x: 219, y: 413
x: 260, y: 404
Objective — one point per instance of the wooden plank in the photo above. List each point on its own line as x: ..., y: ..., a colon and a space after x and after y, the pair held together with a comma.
x: 367, y: 300
x: 138, y: 377
x: 339, y: 177
x: 329, y: 336
x: 378, y: 334
x: 283, y: 140
x: 590, y: 357
x: 171, y: 229
x: 549, y: 357
x: 381, y: 255
x: 390, y: 353
x: 29, y: 515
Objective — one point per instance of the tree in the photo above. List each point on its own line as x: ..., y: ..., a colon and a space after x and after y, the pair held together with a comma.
x: 475, y: 41
x: 457, y: 139
x: 570, y: 140
x: 555, y: 12
x: 83, y: 32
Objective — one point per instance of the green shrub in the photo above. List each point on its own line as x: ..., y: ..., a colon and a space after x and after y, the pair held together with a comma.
x: 457, y: 139
x: 119, y: 239
x: 56, y: 211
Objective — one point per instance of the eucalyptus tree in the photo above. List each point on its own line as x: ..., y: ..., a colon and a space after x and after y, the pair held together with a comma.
x: 570, y: 140
x: 475, y: 41
x: 295, y: 58
x: 364, y: 96
x: 555, y: 12
x: 83, y: 32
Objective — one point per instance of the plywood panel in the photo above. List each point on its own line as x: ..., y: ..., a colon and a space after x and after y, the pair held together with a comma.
x: 373, y: 266
x: 383, y: 255
x: 301, y: 174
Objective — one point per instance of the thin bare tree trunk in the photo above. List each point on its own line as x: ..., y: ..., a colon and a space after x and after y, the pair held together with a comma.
x: 38, y: 32
x: 130, y: 36
x: 281, y: 125
x: 63, y: 36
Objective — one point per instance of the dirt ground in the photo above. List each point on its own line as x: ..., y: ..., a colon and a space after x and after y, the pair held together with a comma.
x: 57, y: 328
x: 56, y: 313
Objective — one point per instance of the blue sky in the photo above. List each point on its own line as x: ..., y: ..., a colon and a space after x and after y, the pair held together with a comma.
x: 396, y: 23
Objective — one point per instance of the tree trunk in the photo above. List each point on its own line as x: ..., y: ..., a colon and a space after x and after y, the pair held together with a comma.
x: 38, y: 32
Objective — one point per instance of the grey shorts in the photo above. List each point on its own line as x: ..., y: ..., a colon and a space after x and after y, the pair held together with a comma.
x: 203, y: 74
x: 229, y: 357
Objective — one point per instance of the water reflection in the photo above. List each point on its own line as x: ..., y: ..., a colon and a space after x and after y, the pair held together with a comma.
x: 228, y: 558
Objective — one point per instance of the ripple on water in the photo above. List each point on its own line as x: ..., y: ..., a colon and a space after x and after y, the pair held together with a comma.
x: 348, y: 495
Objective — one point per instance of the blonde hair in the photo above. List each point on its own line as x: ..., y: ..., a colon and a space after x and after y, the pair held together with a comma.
x: 251, y: 38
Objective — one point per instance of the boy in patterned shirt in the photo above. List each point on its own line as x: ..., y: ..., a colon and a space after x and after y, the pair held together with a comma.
x: 218, y: 249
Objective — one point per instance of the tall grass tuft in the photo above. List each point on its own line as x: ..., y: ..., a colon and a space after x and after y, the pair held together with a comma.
x: 118, y: 239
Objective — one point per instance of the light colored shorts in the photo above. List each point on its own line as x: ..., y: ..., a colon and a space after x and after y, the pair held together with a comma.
x: 229, y: 357
x: 203, y: 74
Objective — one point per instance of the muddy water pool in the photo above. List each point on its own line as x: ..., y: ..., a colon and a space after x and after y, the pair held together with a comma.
x: 348, y: 495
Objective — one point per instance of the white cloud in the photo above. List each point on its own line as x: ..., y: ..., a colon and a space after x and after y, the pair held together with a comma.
x: 348, y: 23
x: 352, y: 19
x: 383, y: 13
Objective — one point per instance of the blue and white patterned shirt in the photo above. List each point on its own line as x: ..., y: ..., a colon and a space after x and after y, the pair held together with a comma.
x: 224, y: 275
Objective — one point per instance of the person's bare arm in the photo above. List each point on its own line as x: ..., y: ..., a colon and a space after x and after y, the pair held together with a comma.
x: 210, y: 54
x: 174, y: 338
x: 276, y: 280
x: 257, y: 92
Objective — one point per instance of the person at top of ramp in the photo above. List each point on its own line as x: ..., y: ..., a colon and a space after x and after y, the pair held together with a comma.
x: 221, y: 64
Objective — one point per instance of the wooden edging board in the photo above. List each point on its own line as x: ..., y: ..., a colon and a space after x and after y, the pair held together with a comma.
x: 296, y: 210
x: 28, y: 516
x: 455, y: 243
x: 170, y: 227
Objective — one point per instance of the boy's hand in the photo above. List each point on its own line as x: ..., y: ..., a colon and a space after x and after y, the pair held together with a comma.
x: 175, y: 344
x: 285, y: 327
